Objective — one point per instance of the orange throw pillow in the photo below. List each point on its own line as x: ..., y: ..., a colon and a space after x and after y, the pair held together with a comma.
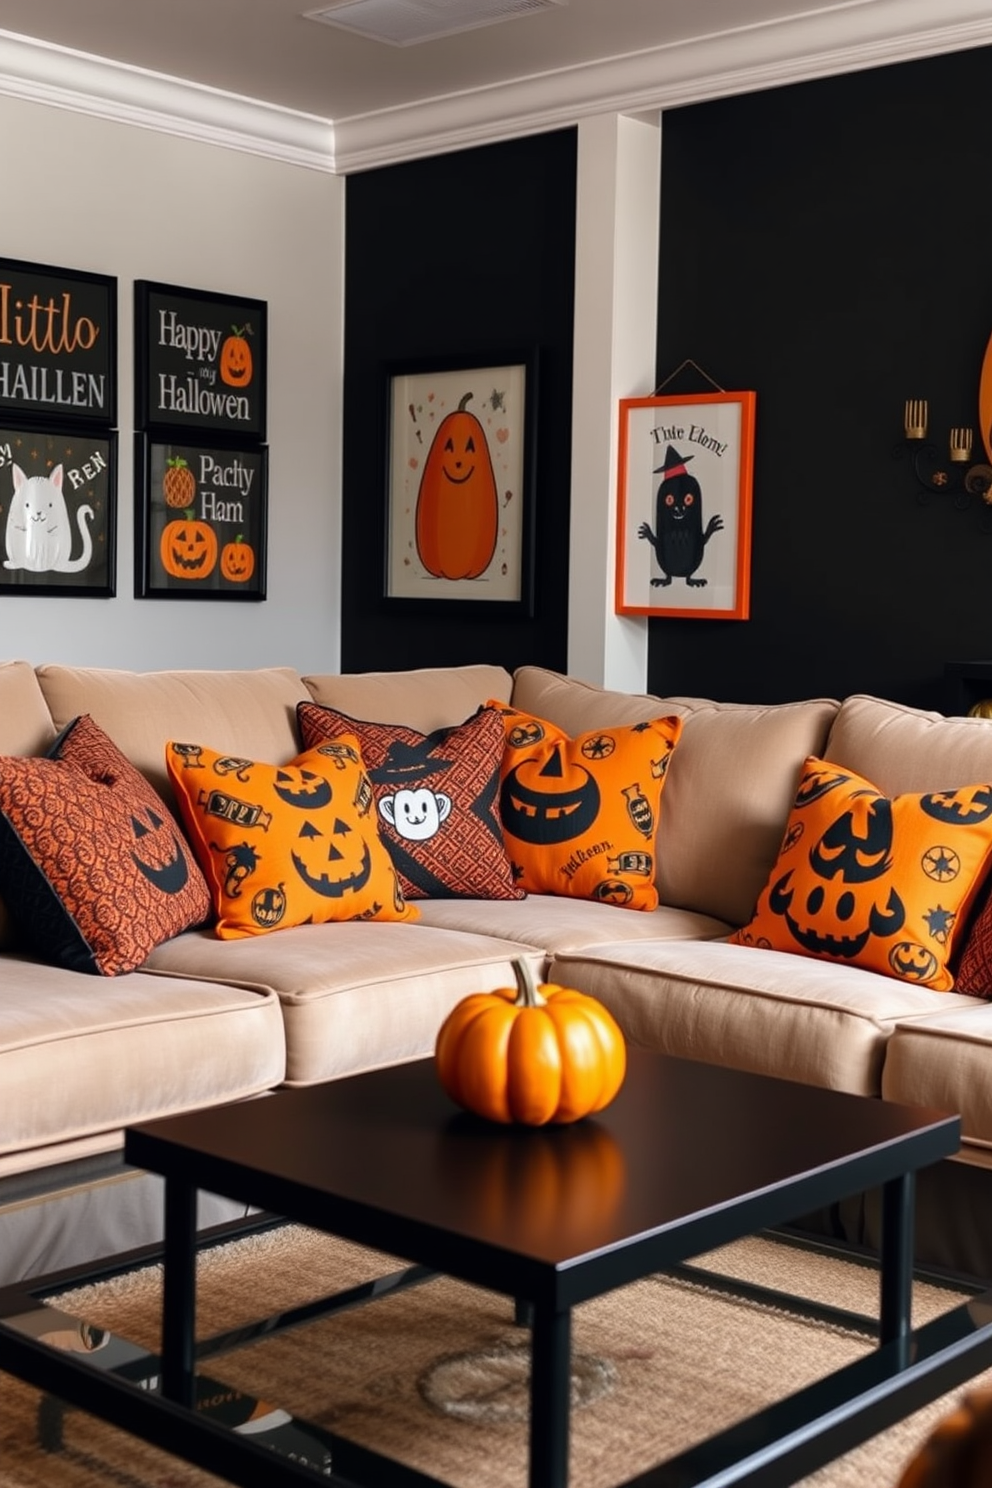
x: 580, y: 816
x: 285, y: 845
x: 873, y: 882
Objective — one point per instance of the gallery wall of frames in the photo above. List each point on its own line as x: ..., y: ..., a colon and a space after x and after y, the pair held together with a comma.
x: 201, y: 461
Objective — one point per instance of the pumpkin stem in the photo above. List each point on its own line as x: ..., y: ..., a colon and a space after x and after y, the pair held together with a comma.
x: 527, y: 993
x: 467, y: 397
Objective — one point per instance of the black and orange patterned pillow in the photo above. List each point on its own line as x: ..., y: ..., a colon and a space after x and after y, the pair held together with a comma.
x: 580, y: 815
x: 286, y: 845
x: 436, y: 798
x: 865, y: 880
x: 93, y: 867
x: 84, y: 744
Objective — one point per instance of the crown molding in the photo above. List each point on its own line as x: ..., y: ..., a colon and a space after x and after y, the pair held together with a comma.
x: 834, y: 39
x: 43, y: 73
x: 846, y: 37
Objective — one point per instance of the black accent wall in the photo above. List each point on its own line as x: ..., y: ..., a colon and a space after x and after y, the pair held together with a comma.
x: 830, y: 245
x: 456, y: 255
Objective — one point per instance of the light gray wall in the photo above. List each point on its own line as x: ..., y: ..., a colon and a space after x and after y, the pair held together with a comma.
x: 87, y: 193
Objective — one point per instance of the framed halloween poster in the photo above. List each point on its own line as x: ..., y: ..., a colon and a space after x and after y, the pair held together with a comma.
x: 200, y: 362
x: 200, y: 528
x: 684, y: 506
x: 58, y: 510
x: 58, y: 344
x: 459, y: 483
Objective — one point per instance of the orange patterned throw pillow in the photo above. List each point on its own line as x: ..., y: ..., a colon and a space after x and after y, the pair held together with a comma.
x: 580, y: 815
x: 93, y: 866
x: 288, y: 844
x: 880, y: 883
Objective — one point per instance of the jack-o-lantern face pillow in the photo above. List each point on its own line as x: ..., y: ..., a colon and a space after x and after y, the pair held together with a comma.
x: 93, y: 865
x: 873, y: 882
x: 580, y: 815
x: 285, y: 845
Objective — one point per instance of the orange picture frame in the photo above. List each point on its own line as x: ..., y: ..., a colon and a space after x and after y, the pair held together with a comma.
x: 684, y: 493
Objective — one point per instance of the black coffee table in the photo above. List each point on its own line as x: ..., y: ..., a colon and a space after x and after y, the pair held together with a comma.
x: 688, y: 1157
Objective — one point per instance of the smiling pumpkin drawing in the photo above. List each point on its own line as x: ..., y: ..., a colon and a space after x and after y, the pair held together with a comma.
x: 457, y: 503
x: 235, y: 358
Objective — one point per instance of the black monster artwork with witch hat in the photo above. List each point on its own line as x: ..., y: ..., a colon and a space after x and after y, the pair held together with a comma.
x: 678, y: 537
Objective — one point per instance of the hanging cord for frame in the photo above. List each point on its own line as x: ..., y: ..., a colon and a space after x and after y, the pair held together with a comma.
x: 681, y: 368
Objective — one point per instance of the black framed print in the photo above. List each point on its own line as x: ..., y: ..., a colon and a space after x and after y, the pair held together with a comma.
x: 58, y: 492
x: 58, y: 344
x: 459, y: 486
x: 200, y: 361
x: 201, y: 520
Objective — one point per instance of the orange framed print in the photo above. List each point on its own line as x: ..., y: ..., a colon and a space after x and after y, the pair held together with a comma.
x: 684, y: 506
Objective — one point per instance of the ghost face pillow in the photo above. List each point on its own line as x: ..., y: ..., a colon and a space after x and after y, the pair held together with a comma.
x: 436, y: 800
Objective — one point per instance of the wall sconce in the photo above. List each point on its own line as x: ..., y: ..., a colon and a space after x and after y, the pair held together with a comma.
x: 954, y: 476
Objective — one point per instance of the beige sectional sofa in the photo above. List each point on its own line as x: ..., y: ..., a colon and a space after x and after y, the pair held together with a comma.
x: 205, y: 1020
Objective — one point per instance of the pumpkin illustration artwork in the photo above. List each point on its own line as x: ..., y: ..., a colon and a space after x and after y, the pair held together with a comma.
x: 188, y: 548
x: 178, y: 483
x: 457, y: 503
x: 530, y: 1054
x: 235, y: 358
x: 237, y: 560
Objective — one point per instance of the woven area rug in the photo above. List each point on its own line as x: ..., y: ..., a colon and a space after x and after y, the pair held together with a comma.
x: 437, y: 1375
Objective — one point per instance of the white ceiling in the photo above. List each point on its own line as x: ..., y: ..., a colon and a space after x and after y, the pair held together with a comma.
x: 268, y: 50
x: 377, y: 103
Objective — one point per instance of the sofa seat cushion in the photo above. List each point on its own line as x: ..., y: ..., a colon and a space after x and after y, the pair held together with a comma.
x: 943, y: 1060
x: 732, y: 778
x: 354, y: 996
x: 81, y: 1057
x: 774, y: 1013
x: 550, y: 923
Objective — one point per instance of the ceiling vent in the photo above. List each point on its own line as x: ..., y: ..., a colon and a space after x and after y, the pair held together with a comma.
x: 406, y: 22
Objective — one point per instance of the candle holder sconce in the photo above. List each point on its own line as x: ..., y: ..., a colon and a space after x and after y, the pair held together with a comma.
x: 955, y: 475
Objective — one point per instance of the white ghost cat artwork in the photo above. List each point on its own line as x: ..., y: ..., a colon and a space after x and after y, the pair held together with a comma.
x: 39, y: 529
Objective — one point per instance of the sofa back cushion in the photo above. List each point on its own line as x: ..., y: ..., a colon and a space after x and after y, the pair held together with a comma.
x: 906, y: 749
x: 25, y: 723
x: 249, y: 713
x: 424, y: 699
x: 730, y: 785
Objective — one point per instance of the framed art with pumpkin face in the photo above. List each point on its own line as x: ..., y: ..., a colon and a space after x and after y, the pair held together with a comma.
x: 459, y: 483
x: 200, y: 362
x: 200, y: 528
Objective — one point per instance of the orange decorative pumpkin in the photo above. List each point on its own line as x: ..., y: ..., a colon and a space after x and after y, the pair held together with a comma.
x: 188, y: 548
x: 457, y: 503
x: 530, y: 1054
x: 235, y: 359
x: 237, y: 560
x: 958, y: 1453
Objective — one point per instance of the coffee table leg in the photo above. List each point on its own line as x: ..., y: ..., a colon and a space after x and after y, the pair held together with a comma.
x: 898, y: 1217
x: 550, y: 1391
x: 179, y: 1293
